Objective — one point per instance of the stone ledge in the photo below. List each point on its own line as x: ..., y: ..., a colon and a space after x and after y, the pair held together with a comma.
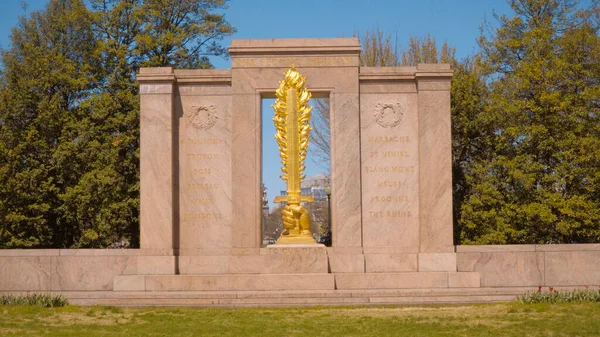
x: 156, y: 74
x: 495, y: 248
x: 391, y: 280
x: 200, y: 76
x: 273, y: 47
x: 229, y: 282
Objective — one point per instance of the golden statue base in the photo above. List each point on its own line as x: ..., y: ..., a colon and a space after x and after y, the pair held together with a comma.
x: 295, y: 239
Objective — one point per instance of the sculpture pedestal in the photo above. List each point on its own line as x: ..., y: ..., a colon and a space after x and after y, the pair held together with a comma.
x: 319, y: 246
x: 296, y: 239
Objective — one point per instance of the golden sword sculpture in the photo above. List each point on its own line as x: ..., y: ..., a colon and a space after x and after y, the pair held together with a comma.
x: 292, y: 124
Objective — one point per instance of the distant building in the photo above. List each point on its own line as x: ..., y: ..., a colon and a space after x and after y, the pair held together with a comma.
x: 265, y: 201
x: 314, y: 186
x: 318, y: 180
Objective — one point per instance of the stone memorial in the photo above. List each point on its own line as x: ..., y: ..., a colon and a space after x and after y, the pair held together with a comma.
x: 391, y: 196
x: 390, y: 134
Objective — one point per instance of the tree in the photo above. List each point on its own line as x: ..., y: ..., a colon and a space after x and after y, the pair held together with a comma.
x: 378, y: 50
x: 46, y: 74
x: 424, y: 50
x: 69, y: 118
x: 541, y: 181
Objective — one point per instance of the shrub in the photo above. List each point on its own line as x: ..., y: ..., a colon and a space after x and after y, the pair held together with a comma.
x: 554, y: 296
x: 40, y: 300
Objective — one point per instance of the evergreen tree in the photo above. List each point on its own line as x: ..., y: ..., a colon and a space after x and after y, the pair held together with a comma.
x: 69, y: 114
x: 540, y: 182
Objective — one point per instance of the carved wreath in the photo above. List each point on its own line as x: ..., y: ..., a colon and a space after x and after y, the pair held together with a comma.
x: 203, y: 117
x: 388, y: 115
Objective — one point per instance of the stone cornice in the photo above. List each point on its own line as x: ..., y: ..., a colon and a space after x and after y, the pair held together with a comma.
x: 275, y: 47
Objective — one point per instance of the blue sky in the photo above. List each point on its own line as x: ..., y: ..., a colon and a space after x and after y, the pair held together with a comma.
x: 456, y: 21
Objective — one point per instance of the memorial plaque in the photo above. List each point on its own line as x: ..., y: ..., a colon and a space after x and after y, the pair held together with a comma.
x: 204, y: 172
x: 390, y: 170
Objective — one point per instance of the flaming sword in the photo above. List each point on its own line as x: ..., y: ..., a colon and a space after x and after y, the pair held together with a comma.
x: 292, y: 124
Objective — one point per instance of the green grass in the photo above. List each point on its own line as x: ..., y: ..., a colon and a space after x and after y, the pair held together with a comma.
x: 509, y: 319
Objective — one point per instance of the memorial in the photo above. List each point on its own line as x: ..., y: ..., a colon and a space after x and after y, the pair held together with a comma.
x: 391, y: 195
x: 390, y: 133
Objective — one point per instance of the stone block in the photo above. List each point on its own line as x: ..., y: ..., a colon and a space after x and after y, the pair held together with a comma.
x: 437, y: 249
x: 130, y: 283
x: 346, y: 263
x: 204, y: 149
x: 464, y: 280
x: 162, y: 265
x: 572, y: 268
x: 156, y: 167
x: 391, y: 280
x: 252, y: 282
x: 346, y: 214
x: 391, y: 250
x: 82, y: 273
x: 344, y: 250
x: 437, y: 261
x: 245, y: 165
x: 504, y: 269
x: 294, y: 249
x: 390, y: 263
x: 278, y: 264
x: 22, y: 273
x: 435, y: 150
x: 390, y: 169
x: 204, y: 264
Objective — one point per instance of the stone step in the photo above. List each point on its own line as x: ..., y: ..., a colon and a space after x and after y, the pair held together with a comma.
x: 226, y: 282
x: 293, y: 298
x: 407, y: 280
x: 293, y: 302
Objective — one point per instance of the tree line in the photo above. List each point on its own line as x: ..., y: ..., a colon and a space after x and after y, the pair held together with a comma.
x: 69, y: 113
x: 525, y: 118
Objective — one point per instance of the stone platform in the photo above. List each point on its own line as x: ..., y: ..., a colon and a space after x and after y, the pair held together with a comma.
x: 130, y: 278
x: 288, y: 298
x: 323, y: 281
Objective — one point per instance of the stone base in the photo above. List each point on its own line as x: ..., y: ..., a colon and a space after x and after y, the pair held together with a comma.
x: 241, y: 282
x: 291, y: 298
x: 409, y: 280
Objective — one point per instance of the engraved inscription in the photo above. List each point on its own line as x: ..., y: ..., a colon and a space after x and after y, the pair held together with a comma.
x: 202, y: 186
x: 203, y: 141
x: 295, y: 61
x: 202, y: 171
x: 386, y: 169
x: 204, y: 201
x: 394, y: 184
x: 201, y: 216
x: 401, y: 198
x: 390, y: 214
x: 203, y: 156
x: 394, y: 139
x: 389, y: 154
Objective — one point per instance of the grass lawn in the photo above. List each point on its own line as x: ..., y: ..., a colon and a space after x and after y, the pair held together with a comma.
x: 509, y: 319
